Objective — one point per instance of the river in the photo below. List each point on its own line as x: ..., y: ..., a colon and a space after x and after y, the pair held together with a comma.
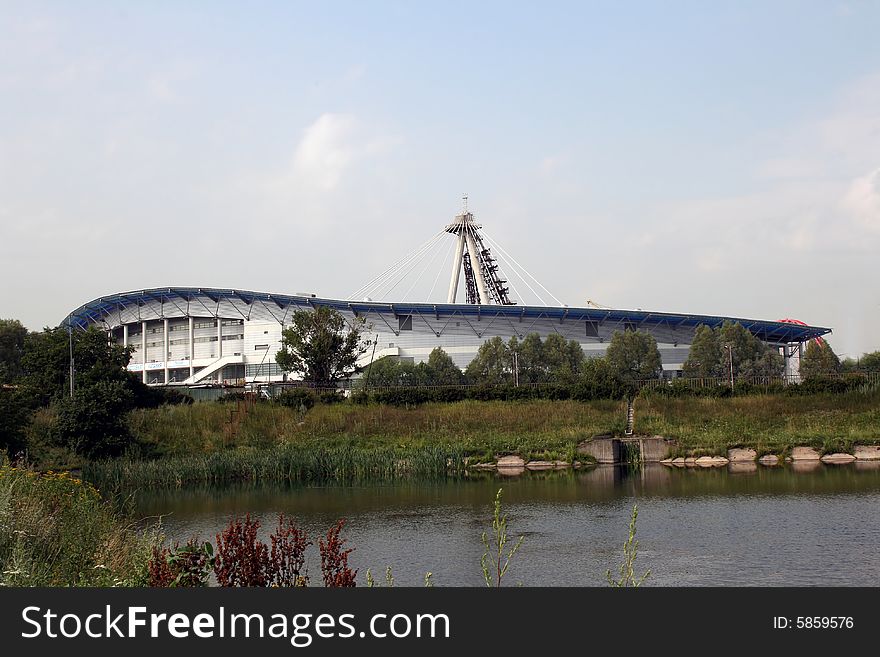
x: 749, y: 526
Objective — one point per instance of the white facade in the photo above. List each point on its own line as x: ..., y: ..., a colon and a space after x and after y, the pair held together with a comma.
x: 197, y: 335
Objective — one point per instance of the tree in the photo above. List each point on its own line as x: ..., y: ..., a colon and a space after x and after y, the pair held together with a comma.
x: 819, y: 360
x: 705, y: 357
x: 865, y: 363
x: 320, y: 347
x: 382, y: 372
x: 633, y: 355
x: 709, y: 355
x: 529, y: 358
x: 46, y: 362
x: 492, y: 364
x: 14, y: 417
x: 598, y: 380
x: 750, y: 356
x: 442, y: 370
x: 93, y: 422
x: 12, y: 338
x: 870, y: 362
x: 562, y: 359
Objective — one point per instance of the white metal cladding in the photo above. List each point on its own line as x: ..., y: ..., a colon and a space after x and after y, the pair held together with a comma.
x: 249, y: 335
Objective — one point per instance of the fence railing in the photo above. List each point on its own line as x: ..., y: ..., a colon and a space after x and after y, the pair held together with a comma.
x: 870, y: 378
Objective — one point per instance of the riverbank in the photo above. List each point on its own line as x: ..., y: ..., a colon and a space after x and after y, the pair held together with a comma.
x: 213, y: 443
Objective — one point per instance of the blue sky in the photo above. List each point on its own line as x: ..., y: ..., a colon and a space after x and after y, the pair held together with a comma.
x: 683, y: 156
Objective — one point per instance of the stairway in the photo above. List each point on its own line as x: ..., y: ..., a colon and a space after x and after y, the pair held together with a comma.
x: 630, y: 417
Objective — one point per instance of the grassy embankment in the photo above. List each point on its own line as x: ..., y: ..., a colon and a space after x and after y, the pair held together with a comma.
x: 771, y: 424
x: 216, y: 443
x: 57, y: 531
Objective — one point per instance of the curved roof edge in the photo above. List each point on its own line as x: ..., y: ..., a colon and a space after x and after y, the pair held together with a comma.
x: 774, y: 332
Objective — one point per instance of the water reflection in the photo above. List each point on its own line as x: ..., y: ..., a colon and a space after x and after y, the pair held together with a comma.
x: 798, y: 524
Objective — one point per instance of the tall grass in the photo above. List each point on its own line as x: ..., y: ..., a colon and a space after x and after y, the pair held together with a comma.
x: 210, y: 427
x: 768, y: 423
x: 57, y: 531
x: 304, y: 463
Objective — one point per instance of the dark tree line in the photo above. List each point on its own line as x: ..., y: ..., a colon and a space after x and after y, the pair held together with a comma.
x: 35, y: 374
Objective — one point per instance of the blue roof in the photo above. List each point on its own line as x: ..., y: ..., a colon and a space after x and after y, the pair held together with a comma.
x: 769, y: 331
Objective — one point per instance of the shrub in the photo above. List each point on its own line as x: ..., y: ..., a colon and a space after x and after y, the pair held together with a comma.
x: 403, y: 396
x: 331, y: 397
x: 228, y: 397
x: 818, y: 385
x: 241, y: 556
x: 287, y: 555
x: 334, y: 559
x: 244, y: 560
x: 300, y: 398
x: 93, y: 422
x: 449, y: 395
x: 14, y: 418
x: 187, y: 566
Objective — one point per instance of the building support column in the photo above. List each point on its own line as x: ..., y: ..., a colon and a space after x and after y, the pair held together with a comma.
x: 144, y: 351
x: 167, y: 349
x: 219, y: 347
x: 192, y: 346
x: 456, y: 269
x: 124, y: 336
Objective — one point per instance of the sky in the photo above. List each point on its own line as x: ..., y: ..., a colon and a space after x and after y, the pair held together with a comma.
x: 711, y: 158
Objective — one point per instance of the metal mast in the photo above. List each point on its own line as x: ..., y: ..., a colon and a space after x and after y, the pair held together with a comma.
x: 483, y: 281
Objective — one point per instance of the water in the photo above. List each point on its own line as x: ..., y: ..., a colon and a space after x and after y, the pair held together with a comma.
x: 754, y: 526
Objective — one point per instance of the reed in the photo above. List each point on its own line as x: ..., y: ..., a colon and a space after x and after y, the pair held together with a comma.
x: 288, y: 463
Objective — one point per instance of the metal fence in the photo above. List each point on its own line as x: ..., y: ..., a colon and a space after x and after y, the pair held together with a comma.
x: 867, y: 378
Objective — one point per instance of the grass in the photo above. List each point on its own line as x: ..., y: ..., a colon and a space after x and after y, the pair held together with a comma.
x: 767, y: 423
x: 214, y: 443
x: 473, y: 427
x: 290, y: 463
x: 57, y: 531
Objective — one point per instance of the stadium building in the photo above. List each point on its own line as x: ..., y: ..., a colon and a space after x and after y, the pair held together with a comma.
x: 198, y: 335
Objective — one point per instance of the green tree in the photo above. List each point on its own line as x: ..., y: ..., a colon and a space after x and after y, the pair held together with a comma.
x: 320, y: 346
x: 442, y: 370
x: 749, y: 355
x: 704, y: 358
x: 492, y: 364
x: 93, y: 422
x: 382, y: 372
x: 633, y: 355
x: 819, y: 360
x: 46, y: 362
x: 709, y: 355
x: 870, y: 362
x: 14, y: 417
x: 865, y: 363
x: 12, y: 339
x: 598, y: 380
x: 562, y: 359
x: 529, y: 358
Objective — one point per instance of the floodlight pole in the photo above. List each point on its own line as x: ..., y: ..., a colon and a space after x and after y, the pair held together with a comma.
x: 729, y: 348
x: 70, y: 344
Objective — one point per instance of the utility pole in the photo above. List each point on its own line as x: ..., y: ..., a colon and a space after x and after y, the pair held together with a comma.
x: 70, y: 342
x: 516, y: 369
x: 370, y: 366
x: 729, y: 348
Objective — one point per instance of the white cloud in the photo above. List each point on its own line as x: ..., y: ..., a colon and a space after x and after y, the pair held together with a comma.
x: 326, y: 151
x: 863, y: 200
